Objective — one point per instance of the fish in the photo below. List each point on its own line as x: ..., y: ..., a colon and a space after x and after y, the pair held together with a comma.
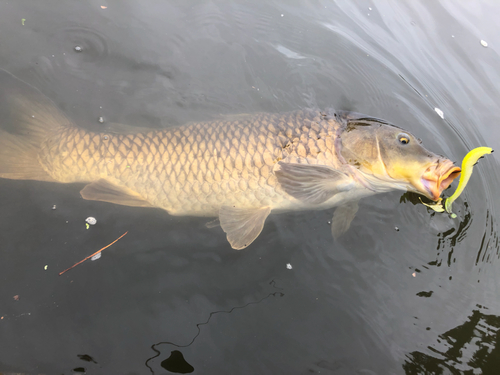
x: 239, y: 169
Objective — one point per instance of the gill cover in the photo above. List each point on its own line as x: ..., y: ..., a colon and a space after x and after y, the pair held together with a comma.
x: 390, y: 157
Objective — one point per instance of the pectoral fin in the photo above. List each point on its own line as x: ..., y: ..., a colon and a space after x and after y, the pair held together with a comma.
x: 103, y: 190
x: 313, y: 184
x: 242, y: 225
x: 343, y: 217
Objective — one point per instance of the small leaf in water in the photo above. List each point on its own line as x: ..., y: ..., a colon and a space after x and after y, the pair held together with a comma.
x: 45, y: 268
x: 87, y: 225
x: 438, y: 207
x: 22, y: 20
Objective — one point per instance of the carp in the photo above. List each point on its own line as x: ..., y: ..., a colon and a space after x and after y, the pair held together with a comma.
x: 238, y: 169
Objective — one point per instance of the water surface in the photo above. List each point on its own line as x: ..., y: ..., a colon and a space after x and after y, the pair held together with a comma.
x: 172, y: 296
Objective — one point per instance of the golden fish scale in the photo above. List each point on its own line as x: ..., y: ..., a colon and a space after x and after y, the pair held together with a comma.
x: 199, y: 167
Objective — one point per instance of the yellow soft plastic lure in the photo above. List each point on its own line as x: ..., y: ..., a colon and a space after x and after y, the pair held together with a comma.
x: 467, y: 165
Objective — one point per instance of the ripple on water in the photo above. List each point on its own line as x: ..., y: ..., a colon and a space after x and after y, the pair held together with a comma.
x: 83, y: 48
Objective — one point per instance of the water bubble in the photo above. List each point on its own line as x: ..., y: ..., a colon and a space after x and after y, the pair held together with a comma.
x: 78, y: 49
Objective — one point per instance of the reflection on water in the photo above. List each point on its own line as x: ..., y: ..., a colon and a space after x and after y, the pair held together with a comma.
x: 470, y: 348
x: 176, y: 362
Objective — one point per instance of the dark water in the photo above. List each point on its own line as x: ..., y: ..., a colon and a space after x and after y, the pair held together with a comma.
x: 172, y: 296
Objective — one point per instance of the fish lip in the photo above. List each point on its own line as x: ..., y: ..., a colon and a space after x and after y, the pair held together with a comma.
x: 438, y: 177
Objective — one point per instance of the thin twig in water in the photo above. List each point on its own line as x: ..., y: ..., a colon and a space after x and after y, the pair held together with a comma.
x: 90, y: 256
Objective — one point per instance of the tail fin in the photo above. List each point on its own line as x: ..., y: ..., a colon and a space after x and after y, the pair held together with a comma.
x: 27, y: 118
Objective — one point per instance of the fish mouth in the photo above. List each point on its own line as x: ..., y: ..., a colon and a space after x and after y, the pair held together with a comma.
x: 438, y: 177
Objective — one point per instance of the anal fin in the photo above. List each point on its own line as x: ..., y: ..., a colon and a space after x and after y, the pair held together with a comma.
x: 105, y: 191
x: 343, y: 217
x: 242, y: 225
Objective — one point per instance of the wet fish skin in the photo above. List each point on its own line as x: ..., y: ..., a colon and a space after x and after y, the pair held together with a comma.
x: 197, y: 168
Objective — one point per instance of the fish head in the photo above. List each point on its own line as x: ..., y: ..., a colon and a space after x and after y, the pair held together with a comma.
x: 391, y: 157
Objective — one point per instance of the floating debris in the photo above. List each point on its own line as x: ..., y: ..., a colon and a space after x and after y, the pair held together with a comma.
x: 16, y: 297
x: 289, y: 266
x: 22, y: 21
x: 414, y: 274
x: 90, y: 256
x: 91, y: 220
x: 104, y: 7
x: 54, y: 207
x: 438, y: 207
x: 484, y: 44
x: 87, y: 226
x: 78, y: 49
x: 45, y: 268
x: 396, y: 229
x: 439, y: 112
x: 95, y: 257
x: 101, y: 120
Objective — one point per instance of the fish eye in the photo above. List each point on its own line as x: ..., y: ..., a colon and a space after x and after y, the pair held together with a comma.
x: 403, y: 138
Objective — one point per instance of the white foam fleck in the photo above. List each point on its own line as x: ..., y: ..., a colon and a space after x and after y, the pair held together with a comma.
x: 439, y: 112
